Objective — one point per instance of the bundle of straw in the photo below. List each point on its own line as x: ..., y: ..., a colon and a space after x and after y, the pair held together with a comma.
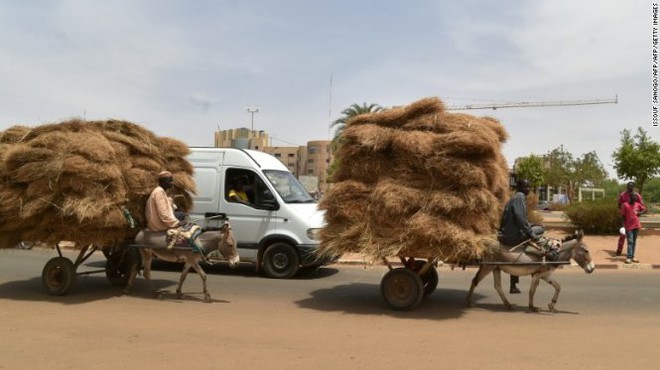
x: 416, y: 181
x: 72, y: 180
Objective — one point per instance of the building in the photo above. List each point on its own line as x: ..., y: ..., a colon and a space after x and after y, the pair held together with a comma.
x: 242, y: 138
x: 305, y: 162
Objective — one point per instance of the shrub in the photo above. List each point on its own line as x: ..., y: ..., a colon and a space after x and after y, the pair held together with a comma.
x: 596, y: 217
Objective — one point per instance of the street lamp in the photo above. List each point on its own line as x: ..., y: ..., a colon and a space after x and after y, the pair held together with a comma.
x: 252, y: 110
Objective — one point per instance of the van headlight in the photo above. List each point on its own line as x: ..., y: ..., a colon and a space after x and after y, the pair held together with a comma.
x: 314, y: 234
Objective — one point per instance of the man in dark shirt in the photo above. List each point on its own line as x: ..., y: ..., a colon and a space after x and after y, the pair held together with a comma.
x: 514, y: 227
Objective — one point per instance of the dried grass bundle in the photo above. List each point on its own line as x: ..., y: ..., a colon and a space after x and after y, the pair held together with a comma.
x: 395, y: 117
x: 416, y: 181
x: 172, y: 148
x: 70, y: 180
x: 13, y: 134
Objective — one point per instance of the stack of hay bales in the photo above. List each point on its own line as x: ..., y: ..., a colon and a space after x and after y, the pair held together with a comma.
x: 72, y: 180
x: 417, y: 181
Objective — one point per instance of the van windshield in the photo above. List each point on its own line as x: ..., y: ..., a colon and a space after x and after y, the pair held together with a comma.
x: 288, y: 187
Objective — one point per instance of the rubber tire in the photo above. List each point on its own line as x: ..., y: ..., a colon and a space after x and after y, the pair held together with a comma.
x: 402, y: 289
x: 118, y: 266
x: 109, y: 251
x: 58, y: 276
x: 280, y: 261
x: 430, y: 279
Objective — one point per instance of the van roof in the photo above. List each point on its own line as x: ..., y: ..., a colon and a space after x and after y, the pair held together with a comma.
x: 261, y: 159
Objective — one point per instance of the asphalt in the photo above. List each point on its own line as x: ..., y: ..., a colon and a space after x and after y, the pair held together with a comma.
x: 601, y: 248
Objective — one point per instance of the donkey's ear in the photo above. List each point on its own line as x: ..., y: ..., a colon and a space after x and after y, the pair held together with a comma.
x: 579, y: 234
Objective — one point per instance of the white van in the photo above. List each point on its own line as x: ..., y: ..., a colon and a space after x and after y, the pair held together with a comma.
x: 277, y: 227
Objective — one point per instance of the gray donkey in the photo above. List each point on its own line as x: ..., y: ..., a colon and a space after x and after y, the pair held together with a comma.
x: 517, y: 262
x: 152, y: 244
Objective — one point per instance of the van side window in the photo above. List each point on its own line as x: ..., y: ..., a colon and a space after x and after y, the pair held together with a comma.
x: 246, y: 187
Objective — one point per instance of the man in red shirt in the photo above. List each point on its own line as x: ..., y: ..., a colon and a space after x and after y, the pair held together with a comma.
x: 629, y: 214
x: 624, y: 198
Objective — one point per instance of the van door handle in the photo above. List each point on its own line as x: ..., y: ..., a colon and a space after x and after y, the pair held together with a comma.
x: 215, y: 216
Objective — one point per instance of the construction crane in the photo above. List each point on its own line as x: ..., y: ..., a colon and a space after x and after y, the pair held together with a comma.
x: 555, y: 103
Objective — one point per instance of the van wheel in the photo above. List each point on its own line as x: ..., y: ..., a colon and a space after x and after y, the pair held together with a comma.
x: 280, y: 261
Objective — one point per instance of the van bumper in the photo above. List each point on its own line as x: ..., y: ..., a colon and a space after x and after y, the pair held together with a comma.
x: 308, y: 256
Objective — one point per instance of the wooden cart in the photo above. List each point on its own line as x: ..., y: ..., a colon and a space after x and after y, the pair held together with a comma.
x: 403, y: 288
x: 59, y: 274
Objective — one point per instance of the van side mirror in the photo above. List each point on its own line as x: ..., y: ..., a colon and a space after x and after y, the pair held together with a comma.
x: 268, y: 201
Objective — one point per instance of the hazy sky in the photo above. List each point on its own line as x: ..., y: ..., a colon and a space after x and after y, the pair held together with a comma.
x: 185, y: 68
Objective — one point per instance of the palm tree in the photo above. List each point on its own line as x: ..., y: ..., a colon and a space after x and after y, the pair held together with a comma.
x: 348, y: 113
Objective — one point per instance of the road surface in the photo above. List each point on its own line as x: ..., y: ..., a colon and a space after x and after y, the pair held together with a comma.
x: 335, y: 319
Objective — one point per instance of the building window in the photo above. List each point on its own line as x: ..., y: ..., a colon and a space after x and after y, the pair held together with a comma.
x: 311, y: 150
x: 310, y: 171
x: 291, y: 155
x: 310, y: 161
x: 278, y: 155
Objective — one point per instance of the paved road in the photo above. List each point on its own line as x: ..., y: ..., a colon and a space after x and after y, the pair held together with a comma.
x: 333, y: 319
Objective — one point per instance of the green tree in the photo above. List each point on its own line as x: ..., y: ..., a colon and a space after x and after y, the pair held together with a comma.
x: 612, y: 188
x: 558, y: 167
x: 561, y: 169
x: 530, y: 168
x: 587, y: 171
x: 652, y: 191
x: 638, y: 157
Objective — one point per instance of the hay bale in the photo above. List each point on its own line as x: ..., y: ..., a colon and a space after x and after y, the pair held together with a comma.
x: 416, y: 181
x: 396, y: 117
x: 172, y: 148
x: 13, y: 134
x: 71, y: 180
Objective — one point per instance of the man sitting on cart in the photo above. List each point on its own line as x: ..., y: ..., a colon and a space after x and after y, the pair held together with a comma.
x: 159, y: 211
x: 161, y: 216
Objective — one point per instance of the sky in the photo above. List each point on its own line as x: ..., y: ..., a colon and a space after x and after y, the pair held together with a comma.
x: 185, y: 68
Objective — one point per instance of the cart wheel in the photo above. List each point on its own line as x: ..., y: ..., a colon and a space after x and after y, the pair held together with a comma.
x: 118, y: 266
x: 108, y: 252
x: 402, y: 289
x: 430, y: 279
x: 58, y: 276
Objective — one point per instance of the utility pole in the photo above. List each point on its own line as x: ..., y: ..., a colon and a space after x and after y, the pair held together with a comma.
x: 252, y: 109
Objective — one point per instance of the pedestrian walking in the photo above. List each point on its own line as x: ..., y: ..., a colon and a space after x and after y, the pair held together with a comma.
x: 630, y: 212
x: 624, y: 197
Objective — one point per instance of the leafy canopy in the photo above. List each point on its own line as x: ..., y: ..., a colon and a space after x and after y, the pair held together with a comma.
x: 638, y: 157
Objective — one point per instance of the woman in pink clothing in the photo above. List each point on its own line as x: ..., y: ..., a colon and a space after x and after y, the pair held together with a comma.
x: 630, y: 211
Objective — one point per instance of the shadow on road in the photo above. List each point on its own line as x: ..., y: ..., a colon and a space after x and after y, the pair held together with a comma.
x: 365, y: 299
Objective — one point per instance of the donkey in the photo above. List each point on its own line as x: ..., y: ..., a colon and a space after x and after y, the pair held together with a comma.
x: 519, y: 263
x: 152, y: 244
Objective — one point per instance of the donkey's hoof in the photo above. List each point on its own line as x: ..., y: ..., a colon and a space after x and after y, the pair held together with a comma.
x: 207, y: 298
x: 179, y: 295
x: 534, y: 309
x: 510, y: 307
x: 551, y: 307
